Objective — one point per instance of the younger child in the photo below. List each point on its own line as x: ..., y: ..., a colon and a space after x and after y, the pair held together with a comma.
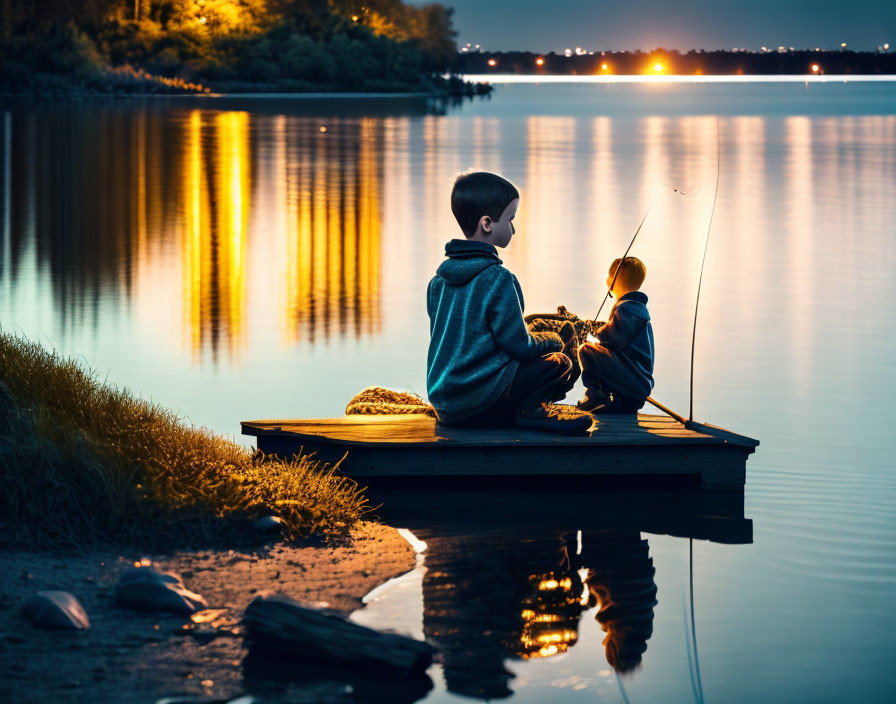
x: 484, y: 367
x: 618, y: 371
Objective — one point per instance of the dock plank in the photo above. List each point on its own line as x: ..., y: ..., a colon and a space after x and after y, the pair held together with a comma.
x: 418, y: 446
x: 421, y: 429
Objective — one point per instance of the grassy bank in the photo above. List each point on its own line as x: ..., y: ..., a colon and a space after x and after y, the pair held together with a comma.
x: 85, y: 462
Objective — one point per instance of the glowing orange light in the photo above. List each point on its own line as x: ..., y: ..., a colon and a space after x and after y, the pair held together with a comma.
x: 492, y: 62
x: 657, y: 67
x: 815, y: 68
x: 539, y: 61
x: 323, y: 129
x: 604, y: 67
x: 354, y: 18
x: 202, y: 20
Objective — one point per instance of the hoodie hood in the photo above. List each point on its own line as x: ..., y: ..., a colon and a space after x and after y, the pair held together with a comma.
x: 635, y: 304
x: 466, y: 260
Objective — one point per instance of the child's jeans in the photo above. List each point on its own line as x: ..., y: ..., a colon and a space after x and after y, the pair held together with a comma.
x: 543, y: 380
x: 603, y: 370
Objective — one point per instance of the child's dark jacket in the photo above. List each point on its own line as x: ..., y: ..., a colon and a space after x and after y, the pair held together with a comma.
x: 477, y: 333
x: 624, y: 358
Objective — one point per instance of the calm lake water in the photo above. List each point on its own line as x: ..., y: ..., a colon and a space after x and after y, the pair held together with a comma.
x: 257, y: 258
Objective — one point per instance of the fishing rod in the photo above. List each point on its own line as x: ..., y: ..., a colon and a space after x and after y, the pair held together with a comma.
x: 702, y: 265
x: 635, y: 236
x: 715, y: 197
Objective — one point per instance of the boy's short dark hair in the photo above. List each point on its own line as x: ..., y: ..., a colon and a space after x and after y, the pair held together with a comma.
x: 477, y: 194
x: 632, y: 272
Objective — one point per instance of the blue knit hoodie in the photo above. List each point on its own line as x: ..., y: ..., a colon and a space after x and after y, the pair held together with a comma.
x: 477, y: 333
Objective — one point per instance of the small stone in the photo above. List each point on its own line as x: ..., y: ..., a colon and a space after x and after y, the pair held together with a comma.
x: 269, y: 524
x: 147, y: 589
x: 54, y: 609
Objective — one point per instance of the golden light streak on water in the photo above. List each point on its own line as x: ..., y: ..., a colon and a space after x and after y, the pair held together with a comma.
x: 233, y: 133
x: 195, y: 238
x: 214, y: 240
x: 333, y: 235
x: 370, y: 220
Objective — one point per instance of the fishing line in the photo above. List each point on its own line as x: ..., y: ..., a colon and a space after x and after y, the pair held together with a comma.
x: 702, y: 265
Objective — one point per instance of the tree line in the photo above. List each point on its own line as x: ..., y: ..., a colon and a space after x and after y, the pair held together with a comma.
x: 374, y: 45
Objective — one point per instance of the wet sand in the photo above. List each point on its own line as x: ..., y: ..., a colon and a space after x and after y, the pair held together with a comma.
x: 129, y: 656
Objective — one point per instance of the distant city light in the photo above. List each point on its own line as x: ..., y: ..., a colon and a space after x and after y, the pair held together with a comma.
x: 567, y: 52
x: 604, y: 67
x: 354, y: 18
x: 815, y: 68
x: 539, y: 61
x: 842, y: 45
x: 323, y: 129
x: 492, y: 62
x: 886, y: 46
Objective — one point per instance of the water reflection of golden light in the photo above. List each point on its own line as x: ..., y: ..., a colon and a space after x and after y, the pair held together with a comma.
x: 549, y: 622
x: 333, y: 234
x: 548, y: 584
x: 214, y: 242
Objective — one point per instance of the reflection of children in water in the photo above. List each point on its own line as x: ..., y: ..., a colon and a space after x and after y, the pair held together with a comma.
x: 490, y: 598
x: 621, y: 583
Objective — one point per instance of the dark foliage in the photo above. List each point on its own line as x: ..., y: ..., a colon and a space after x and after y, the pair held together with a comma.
x: 181, y: 45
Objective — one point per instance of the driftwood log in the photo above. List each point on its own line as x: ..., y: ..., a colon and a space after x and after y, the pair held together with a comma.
x: 280, y: 626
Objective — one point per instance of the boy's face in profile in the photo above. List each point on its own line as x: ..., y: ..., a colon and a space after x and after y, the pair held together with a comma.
x: 616, y: 289
x: 499, y: 232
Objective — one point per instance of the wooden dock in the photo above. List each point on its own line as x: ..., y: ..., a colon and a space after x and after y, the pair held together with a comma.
x: 416, y: 447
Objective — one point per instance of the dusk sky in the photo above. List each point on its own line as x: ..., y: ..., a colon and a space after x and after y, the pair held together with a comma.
x: 546, y: 25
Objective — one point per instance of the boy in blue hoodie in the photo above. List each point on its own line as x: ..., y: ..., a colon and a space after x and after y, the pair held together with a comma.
x: 618, y: 371
x: 484, y: 367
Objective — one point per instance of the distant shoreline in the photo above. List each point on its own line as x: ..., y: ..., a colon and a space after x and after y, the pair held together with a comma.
x: 495, y: 78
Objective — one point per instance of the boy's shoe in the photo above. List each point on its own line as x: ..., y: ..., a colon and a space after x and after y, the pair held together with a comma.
x: 554, y: 419
x: 595, y: 401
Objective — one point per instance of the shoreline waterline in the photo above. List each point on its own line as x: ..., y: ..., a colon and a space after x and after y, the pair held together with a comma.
x: 679, y: 78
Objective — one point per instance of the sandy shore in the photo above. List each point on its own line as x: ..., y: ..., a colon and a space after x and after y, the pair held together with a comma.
x: 129, y: 656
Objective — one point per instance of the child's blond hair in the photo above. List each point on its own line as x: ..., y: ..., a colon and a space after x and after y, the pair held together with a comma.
x: 632, y: 272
